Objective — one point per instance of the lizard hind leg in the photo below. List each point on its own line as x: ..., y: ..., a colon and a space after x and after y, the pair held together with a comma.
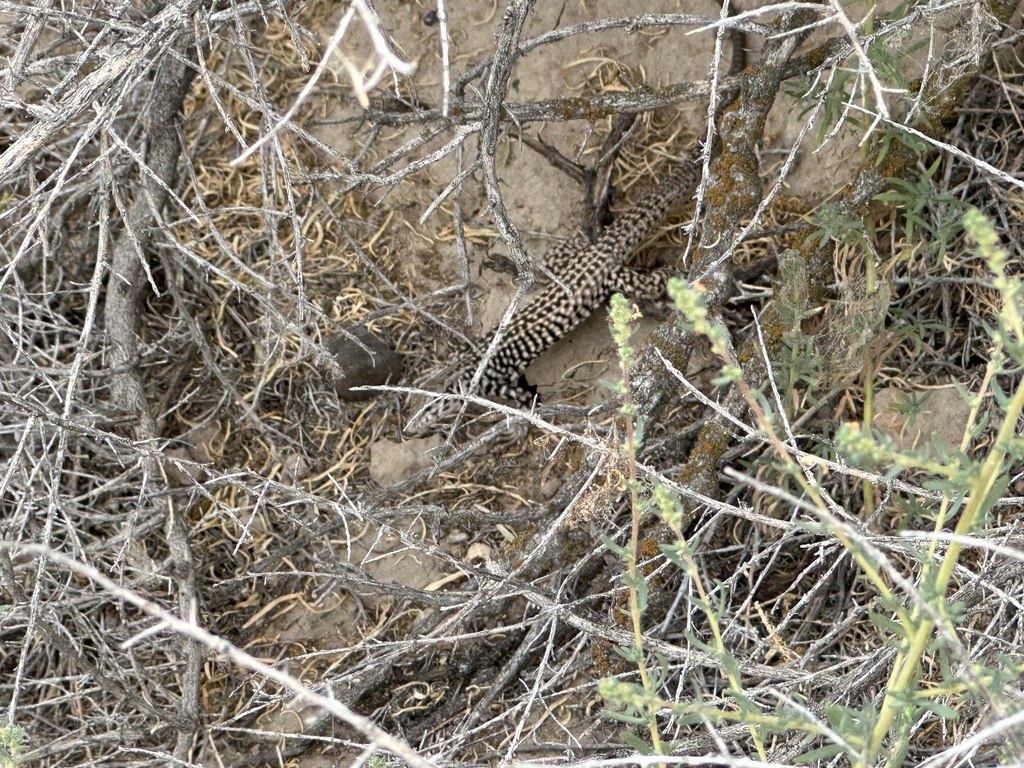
x: 430, y: 414
x: 561, y: 258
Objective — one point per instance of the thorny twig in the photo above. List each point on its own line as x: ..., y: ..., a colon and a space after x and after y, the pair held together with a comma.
x: 75, y: 482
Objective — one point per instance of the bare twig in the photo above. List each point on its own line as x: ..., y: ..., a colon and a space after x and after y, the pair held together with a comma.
x: 221, y: 647
x: 125, y: 61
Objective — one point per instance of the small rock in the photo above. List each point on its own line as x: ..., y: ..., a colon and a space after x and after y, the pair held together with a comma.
x: 456, y: 537
x: 912, y: 419
x: 392, y: 462
x: 479, y: 553
x: 364, y: 361
x: 295, y: 467
x: 197, y: 446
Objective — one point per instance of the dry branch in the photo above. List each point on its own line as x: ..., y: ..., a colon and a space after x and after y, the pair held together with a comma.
x: 196, y: 499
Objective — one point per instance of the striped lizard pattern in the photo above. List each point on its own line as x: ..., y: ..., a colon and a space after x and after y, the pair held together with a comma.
x: 587, y: 274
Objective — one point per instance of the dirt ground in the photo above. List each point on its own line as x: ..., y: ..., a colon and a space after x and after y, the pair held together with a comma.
x: 466, y: 592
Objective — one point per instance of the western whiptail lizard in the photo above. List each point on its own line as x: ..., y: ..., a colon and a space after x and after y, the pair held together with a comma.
x: 586, y: 275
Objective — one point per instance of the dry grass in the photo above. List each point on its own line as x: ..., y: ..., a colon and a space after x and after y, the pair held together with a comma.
x: 230, y: 584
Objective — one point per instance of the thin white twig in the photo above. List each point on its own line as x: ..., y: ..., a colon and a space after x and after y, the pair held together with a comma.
x: 770, y: 373
x: 718, y: 408
x: 446, y: 71
x: 955, y: 151
x: 360, y: 84
x: 867, y: 68
x: 221, y: 647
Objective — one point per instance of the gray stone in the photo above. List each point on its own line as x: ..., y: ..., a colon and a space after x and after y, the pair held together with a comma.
x: 364, y: 361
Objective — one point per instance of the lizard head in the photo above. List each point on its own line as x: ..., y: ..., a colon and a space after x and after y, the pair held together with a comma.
x: 429, y: 413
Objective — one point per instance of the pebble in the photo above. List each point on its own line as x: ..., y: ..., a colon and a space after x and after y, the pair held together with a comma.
x: 372, y: 364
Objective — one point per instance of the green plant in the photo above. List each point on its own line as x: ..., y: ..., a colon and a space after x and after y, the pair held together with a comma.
x: 909, y: 607
x: 639, y: 704
x: 922, y: 621
x: 911, y: 405
x: 848, y: 98
x: 984, y: 480
x: 636, y: 704
x: 831, y: 224
x: 12, y: 744
x: 928, y: 217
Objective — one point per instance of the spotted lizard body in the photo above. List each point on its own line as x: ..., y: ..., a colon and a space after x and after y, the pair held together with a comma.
x: 586, y: 275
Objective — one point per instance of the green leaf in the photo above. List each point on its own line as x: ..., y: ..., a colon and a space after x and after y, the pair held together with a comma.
x: 746, y: 706
x: 993, y: 496
x: 640, y: 586
x: 618, y: 549
x: 731, y: 667
x: 638, y: 430
x: 623, y: 717
x: 636, y: 743
x: 938, y: 708
x: 699, y: 645
x: 614, y: 386
x: 632, y: 655
x: 675, y: 555
x: 820, y: 754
